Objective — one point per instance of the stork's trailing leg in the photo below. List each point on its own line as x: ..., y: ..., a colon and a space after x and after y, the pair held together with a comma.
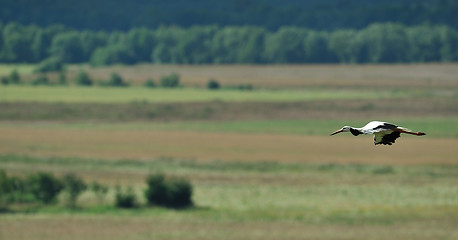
x: 409, y: 132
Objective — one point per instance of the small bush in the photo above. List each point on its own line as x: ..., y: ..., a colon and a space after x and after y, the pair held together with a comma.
x: 5, y: 80
x: 116, y: 81
x: 168, y: 192
x: 83, y: 79
x: 170, y: 81
x: 44, y: 187
x: 125, y: 199
x: 150, y: 83
x: 156, y: 193
x: 74, y: 186
x: 15, y: 78
x: 213, y: 84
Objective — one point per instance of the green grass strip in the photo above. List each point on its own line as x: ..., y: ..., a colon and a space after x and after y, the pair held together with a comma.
x: 132, y: 94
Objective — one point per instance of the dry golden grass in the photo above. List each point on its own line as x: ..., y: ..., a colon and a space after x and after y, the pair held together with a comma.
x: 142, y: 144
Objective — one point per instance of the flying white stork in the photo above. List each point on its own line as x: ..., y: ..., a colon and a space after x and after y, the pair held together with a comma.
x: 384, y: 133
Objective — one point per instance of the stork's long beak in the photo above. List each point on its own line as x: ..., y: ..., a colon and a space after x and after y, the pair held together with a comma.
x: 338, y: 131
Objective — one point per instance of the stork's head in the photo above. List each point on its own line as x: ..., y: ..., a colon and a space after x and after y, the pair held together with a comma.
x: 344, y: 129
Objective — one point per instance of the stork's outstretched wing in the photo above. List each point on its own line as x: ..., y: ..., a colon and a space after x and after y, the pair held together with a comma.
x: 386, y: 139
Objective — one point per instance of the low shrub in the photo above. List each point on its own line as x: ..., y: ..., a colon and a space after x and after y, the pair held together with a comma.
x: 213, y: 84
x: 125, y: 199
x: 44, y: 187
x: 4, y: 80
x: 14, y: 78
x: 168, y: 192
x: 73, y: 186
x: 150, y: 83
x: 116, y: 81
x: 83, y: 79
x: 170, y: 81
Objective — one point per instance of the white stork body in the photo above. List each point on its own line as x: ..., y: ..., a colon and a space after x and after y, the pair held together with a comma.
x: 384, y: 133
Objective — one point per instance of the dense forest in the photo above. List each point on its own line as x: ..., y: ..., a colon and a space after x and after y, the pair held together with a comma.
x: 106, y: 32
x: 377, y: 43
x: 124, y: 15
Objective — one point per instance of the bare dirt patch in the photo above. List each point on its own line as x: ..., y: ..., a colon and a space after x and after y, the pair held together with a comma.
x: 133, y: 227
x: 136, y: 144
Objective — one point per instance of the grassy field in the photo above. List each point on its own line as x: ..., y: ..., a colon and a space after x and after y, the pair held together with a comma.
x: 120, y: 95
x: 253, y: 200
x: 262, y: 163
x: 436, y: 127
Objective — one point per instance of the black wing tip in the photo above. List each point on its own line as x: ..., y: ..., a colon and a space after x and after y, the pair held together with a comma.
x: 389, y: 139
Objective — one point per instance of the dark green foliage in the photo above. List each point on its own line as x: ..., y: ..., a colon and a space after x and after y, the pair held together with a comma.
x: 239, y: 45
x: 40, y: 80
x: 112, y: 54
x: 150, y: 83
x: 5, y: 188
x: 83, y: 79
x: 125, y: 199
x: 14, y: 190
x: 213, y: 84
x: 116, y: 81
x: 375, y: 43
x: 17, y: 41
x: 168, y: 192
x: 179, y: 193
x: 52, y: 64
x: 315, y: 14
x: 5, y: 80
x: 286, y: 45
x: 73, y: 186
x: 170, y: 81
x: 14, y: 78
x: 156, y: 192
x: 68, y: 47
x: 44, y: 187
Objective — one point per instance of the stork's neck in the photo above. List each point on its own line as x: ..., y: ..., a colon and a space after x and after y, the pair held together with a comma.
x: 356, y: 131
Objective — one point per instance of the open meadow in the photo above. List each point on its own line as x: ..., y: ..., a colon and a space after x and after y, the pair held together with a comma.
x: 261, y: 162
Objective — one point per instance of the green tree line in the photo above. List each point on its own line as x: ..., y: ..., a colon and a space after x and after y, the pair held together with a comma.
x: 377, y: 43
x: 271, y: 14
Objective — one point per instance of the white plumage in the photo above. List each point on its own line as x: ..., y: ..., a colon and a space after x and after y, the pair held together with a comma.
x: 384, y: 133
